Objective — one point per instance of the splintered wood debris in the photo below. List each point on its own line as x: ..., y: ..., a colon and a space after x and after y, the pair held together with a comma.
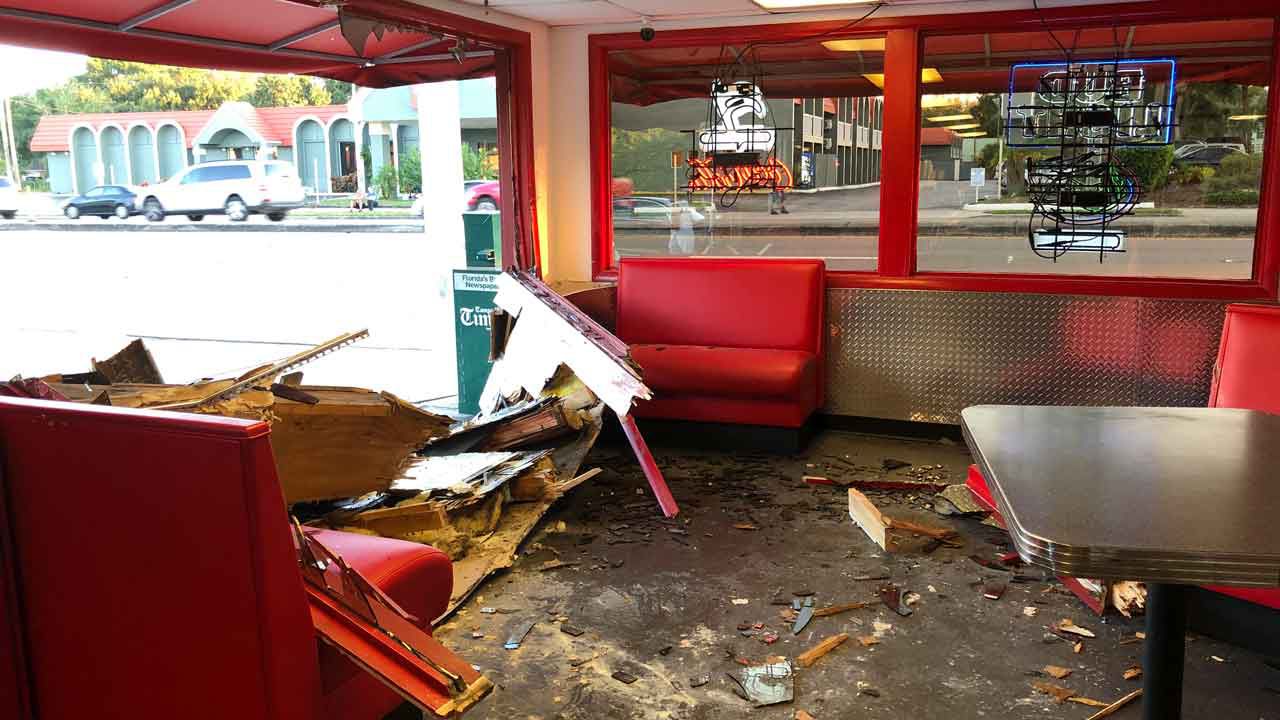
x: 1066, y: 625
x: 889, y: 532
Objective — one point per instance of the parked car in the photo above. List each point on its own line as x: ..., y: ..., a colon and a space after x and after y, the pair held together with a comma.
x: 103, y: 201
x: 1206, y: 154
x: 8, y: 199
x: 641, y: 207
x: 484, y: 196
x: 237, y: 188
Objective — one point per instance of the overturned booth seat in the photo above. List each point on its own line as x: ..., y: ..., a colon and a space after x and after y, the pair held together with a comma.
x: 736, y: 341
x: 147, y: 571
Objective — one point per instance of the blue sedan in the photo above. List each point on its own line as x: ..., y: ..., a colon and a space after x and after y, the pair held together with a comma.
x: 103, y: 201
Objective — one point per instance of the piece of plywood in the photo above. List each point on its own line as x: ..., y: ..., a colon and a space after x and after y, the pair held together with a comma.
x: 403, y: 519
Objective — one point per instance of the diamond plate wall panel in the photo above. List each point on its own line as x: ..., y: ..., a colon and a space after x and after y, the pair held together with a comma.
x: 926, y: 355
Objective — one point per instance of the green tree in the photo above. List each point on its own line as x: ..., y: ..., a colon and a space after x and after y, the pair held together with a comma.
x: 645, y: 157
x: 288, y: 91
x: 474, y: 164
x: 136, y: 87
x: 411, y: 172
x: 60, y: 100
x: 339, y: 91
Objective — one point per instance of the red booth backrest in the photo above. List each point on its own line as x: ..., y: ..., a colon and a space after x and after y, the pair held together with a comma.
x: 1247, y: 375
x: 155, y: 571
x: 721, y: 302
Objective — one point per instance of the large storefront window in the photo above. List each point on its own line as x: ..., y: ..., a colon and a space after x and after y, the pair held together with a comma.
x: 1096, y: 176
x: 782, y: 159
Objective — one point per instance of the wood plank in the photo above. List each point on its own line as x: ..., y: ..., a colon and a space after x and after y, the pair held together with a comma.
x: 815, y: 653
x: 869, y: 518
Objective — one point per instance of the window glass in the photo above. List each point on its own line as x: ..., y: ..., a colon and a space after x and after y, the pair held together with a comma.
x: 226, y: 172
x: 1117, y: 184
x: 4, y: 182
x: 781, y: 158
x: 195, y: 175
x: 96, y: 192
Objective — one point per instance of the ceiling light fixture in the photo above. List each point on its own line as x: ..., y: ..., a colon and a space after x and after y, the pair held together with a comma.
x: 855, y: 45
x: 951, y: 118
x: 976, y: 134
x: 965, y: 126
x: 1238, y: 118
x: 927, y: 75
x: 794, y: 5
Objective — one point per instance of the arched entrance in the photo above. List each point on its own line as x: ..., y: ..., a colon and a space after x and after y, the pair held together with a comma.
x: 142, y: 155
x: 309, y: 156
x: 230, y: 144
x: 342, y: 144
x: 172, y: 153
x: 115, y: 164
x: 84, y: 158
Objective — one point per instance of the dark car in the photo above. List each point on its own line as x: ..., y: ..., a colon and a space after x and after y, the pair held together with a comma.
x: 1206, y: 155
x: 103, y: 201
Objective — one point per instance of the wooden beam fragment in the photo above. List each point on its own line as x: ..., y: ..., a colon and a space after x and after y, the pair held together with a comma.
x: 813, y: 654
x: 1115, y: 707
x: 885, y: 531
x: 837, y: 609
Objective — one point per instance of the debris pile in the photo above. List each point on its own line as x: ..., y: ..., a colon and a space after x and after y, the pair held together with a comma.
x: 363, y: 461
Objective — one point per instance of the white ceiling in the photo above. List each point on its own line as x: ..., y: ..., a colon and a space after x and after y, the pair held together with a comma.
x: 605, y: 12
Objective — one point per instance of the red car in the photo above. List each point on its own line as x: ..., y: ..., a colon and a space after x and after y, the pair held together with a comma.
x: 484, y: 196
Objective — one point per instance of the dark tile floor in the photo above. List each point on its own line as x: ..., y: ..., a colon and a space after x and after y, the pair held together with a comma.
x: 663, y: 601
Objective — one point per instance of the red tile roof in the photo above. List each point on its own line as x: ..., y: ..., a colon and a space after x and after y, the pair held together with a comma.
x: 53, y: 133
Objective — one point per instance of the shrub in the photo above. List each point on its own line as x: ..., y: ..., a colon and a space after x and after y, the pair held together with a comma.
x: 1237, y: 172
x: 411, y: 172
x: 36, y: 185
x: 1150, y: 165
x: 1190, y: 174
x: 385, y: 182
x: 1232, y: 198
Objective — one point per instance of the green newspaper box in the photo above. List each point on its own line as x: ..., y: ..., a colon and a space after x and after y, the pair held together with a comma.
x: 482, y: 232
x: 473, y: 291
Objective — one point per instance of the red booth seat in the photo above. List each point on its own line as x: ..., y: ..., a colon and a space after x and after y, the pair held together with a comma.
x: 1247, y: 376
x: 147, y: 555
x: 726, y: 340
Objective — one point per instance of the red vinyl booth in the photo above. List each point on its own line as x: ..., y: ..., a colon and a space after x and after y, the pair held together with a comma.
x: 1246, y: 376
x: 726, y: 340
x: 147, y: 571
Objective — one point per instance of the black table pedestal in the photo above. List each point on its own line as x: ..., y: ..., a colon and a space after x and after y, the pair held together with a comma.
x: 1162, y: 655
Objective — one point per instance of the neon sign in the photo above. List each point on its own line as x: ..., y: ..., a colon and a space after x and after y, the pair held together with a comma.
x: 730, y: 131
x: 704, y: 174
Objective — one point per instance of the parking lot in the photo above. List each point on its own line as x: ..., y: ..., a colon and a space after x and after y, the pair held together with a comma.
x: 209, y: 304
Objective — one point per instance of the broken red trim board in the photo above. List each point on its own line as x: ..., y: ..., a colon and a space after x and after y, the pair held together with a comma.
x: 549, y: 332
x: 365, y: 625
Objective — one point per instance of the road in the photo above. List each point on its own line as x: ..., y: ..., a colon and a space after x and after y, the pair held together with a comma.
x: 212, y: 304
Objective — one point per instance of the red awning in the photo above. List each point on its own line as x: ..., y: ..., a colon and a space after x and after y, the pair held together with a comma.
x: 373, y: 43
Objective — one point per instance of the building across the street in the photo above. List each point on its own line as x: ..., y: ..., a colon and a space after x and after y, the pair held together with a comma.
x: 377, y: 127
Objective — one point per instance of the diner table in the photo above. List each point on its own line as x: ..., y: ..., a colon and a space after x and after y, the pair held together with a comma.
x: 1175, y: 497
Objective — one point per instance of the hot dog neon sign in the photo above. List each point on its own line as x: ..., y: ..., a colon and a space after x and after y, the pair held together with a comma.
x: 705, y: 175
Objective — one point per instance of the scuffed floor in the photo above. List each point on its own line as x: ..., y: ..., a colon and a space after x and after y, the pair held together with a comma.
x: 656, y: 599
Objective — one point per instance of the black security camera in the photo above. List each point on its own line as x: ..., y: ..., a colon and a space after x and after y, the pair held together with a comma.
x: 647, y: 33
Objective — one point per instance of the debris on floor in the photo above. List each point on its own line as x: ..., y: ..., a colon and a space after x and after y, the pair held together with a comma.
x: 815, y: 653
x: 889, y: 532
x: 768, y: 684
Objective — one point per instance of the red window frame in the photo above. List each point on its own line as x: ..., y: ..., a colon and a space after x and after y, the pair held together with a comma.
x: 513, y: 77
x: 900, y: 168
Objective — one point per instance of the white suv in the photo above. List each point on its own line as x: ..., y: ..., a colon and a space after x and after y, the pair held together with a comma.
x: 8, y: 198
x: 238, y: 188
